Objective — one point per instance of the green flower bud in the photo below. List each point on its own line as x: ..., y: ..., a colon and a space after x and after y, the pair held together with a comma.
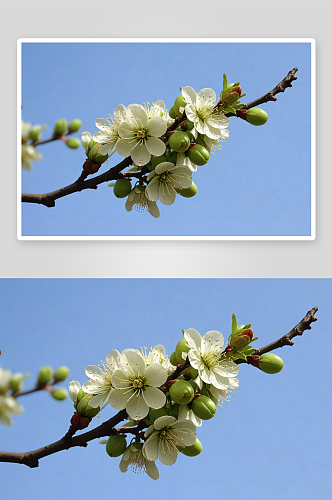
x: 94, y: 154
x: 242, y: 339
x: 80, y: 395
x: 194, y: 385
x: 122, y: 188
x: 35, y: 134
x: 270, y: 363
x: 179, y: 103
x: 193, y: 372
x: 154, y: 414
x: 74, y: 125
x: 232, y: 95
x: 15, y: 384
x: 179, y: 141
x: 181, y: 347
x: 91, y: 412
x: 45, y: 374
x: 172, y: 113
x: 155, y: 160
x: 82, y: 405
x: 257, y: 116
x: 173, y: 359
x: 199, y: 155
x: 193, y: 450
x: 181, y: 392
x: 59, y: 394
x: 73, y: 143
x: 91, y: 144
x: 187, y: 125
x: 61, y: 374
x: 188, y: 192
x: 60, y: 126
x: 204, y: 407
x: 116, y: 445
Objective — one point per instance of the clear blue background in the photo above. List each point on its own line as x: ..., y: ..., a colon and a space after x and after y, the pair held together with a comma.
x: 272, y: 440
x: 257, y: 185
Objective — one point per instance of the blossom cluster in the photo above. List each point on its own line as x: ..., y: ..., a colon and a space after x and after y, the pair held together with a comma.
x: 165, y: 146
x: 169, y: 396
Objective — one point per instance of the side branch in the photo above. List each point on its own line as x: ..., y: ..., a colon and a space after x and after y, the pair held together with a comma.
x: 31, y: 458
x: 270, y: 96
x: 304, y: 324
x: 48, y: 199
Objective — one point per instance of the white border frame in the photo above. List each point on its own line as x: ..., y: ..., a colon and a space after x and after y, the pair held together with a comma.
x: 312, y: 41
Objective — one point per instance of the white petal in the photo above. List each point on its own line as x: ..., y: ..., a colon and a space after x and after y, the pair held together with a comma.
x: 193, y: 338
x: 136, y: 407
x: 118, y: 399
x: 151, y: 469
x: 189, y: 95
x: 213, y: 340
x: 120, y: 113
x: 161, y: 422
x: 153, y: 209
x: 228, y: 369
x: 152, y: 189
x: 167, y: 194
x: 85, y: 139
x: 140, y: 154
x: 133, y: 361
x: 167, y: 453
x: 92, y: 370
x: 154, y: 398
x: 155, y: 146
x: 101, y: 123
x: 157, y: 126
x: 124, y: 147
x: 137, y: 114
x: 150, y: 447
x: 206, y: 98
x: 73, y: 390
x: 155, y: 375
x: 96, y: 401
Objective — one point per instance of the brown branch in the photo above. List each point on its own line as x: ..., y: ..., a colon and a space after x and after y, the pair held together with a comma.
x: 48, y: 199
x: 304, y: 324
x: 31, y: 458
x: 270, y: 96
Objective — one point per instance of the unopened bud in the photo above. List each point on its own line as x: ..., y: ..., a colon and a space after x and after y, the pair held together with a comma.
x: 255, y: 116
x: 73, y: 143
x: 122, y: 188
x: 181, y: 392
x: 242, y: 339
x: 193, y: 450
x: 61, y: 374
x: 116, y: 445
x: 270, y: 363
x: 45, y: 374
x: 198, y: 154
x: 59, y: 394
x: 79, y: 422
x: 74, y: 125
x: 60, y: 126
x: 232, y: 95
x: 179, y: 141
x: 203, y: 407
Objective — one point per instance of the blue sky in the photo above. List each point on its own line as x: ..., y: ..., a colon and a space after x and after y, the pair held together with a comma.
x: 273, y: 436
x: 257, y: 185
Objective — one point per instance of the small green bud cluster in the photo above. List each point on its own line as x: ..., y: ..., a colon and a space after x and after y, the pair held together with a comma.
x: 61, y: 129
x: 46, y: 377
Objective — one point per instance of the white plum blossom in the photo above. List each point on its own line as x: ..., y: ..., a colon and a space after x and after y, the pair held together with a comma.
x: 85, y: 140
x: 137, y: 199
x: 218, y: 395
x: 9, y: 407
x: 139, y: 135
x: 164, y: 437
x: 200, y: 109
x: 108, y: 135
x: 136, y: 385
x: 165, y: 180
x: 133, y: 459
x: 100, y: 385
x: 29, y: 154
x: 204, y: 355
x: 158, y: 354
x: 158, y: 109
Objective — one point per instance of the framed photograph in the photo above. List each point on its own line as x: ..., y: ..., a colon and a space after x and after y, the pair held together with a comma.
x: 198, y: 139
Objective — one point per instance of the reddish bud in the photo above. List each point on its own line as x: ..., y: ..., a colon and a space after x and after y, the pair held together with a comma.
x: 242, y: 339
x: 90, y: 167
x: 232, y: 95
x: 253, y: 360
x: 79, y: 422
